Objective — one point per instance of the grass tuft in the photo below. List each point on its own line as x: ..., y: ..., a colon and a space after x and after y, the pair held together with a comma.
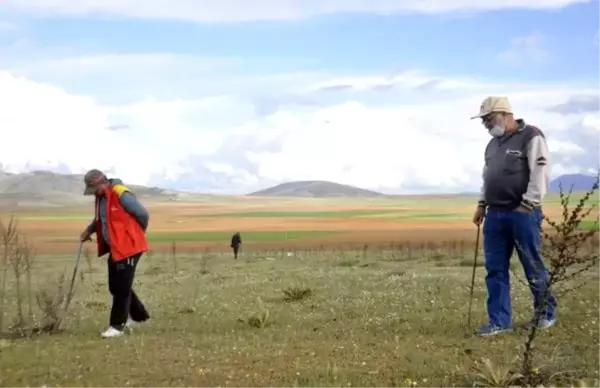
x: 262, y: 318
x: 295, y: 294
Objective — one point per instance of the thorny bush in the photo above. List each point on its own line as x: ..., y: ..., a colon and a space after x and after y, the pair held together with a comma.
x: 566, y: 248
x: 17, y: 279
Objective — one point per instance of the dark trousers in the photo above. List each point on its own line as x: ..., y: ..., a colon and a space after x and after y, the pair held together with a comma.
x: 504, y: 231
x: 125, y: 302
x: 236, y: 249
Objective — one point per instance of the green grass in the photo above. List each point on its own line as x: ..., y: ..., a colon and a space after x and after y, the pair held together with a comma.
x: 554, y: 198
x: 294, y: 214
x: 435, y: 216
x: 374, y: 320
x: 259, y: 236
x: 589, y: 225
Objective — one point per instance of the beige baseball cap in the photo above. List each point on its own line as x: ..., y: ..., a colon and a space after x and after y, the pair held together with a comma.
x: 494, y: 104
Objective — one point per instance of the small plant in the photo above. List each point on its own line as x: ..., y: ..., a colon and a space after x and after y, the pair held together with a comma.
x: 397, y: 273
x: 18, y: 258
x: 469, y: 263
x: 261, y: 319
x: 8, y: 234
x: 562, y: 247
x: 28, y: 255
x: 437, y: 256
x: 88, y: 260
x: 488, y: 374
x: 187, y: 310
x: 294, y: 294
x: 174, y: 255
x: 50, y: 303
x: 94, y: 305
x: 204, y: 262
x: 348, y: 262
x: 585, y: 383
x: 153, y: 270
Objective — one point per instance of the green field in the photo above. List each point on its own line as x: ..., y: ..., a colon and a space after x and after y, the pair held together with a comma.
x: 393, y: 213
x: 211, y: 236
x: 589, y: 225
x: 555, y: 198
x: 435, y: 216
x: 381, y: 319
x: 294, y: 214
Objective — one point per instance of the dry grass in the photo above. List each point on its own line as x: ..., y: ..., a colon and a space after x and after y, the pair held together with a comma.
x: 17, y: 291
x: 370, y: 318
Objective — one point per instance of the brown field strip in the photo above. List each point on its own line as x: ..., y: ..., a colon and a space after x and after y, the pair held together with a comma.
x: 55, y: 230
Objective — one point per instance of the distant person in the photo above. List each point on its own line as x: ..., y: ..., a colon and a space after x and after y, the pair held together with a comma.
x: 121, y: 234
x: 236, y: 241
x: 516, y: 176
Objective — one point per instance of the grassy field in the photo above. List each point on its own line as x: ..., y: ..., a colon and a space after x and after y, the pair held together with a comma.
x: 185, y: 236
x: 326, y: 293
x: 300, y: 214
x: 367, y: 319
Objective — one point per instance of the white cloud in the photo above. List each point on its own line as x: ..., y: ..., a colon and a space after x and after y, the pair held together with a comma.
x: 243, y: 10
x: 219, y: 143
x: 525, y: 49
x: 116, y: 76
x: 42, y: 125
x: 127, y: 65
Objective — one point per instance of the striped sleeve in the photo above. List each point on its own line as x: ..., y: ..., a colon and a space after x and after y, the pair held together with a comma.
x: 538, y: 158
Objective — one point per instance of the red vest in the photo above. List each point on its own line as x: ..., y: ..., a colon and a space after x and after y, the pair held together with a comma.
x: 125, y: 234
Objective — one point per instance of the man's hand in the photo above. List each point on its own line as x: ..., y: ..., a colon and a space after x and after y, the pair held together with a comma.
x: 479, y: 215
x: 523, y: 209
x: 85, y: 236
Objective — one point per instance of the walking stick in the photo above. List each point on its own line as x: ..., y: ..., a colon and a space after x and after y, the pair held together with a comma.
x: 473, y: 276
x: 72, y: 285
x: 56, y: 325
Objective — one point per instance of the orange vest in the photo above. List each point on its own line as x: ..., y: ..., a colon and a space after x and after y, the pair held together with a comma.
x: 126, y: 236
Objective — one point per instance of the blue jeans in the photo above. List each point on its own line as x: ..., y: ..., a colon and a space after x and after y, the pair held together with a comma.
x: 503, y: 231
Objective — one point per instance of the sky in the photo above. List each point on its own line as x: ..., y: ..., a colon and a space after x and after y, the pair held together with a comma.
x: 235, y: 96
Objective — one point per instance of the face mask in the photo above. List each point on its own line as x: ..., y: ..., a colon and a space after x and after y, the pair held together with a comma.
x: 499, y: 127
x: 497, y: 131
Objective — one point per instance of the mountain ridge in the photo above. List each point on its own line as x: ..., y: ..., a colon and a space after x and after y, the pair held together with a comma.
x: 578, y: 182
x: 45, y: 188
x: 48, y: 188
x: 314, y: 188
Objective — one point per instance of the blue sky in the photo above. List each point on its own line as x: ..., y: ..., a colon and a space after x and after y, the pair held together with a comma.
x: 354, y: 42
x: 213, y: 79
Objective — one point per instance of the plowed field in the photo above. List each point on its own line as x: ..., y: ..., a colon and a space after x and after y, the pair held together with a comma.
x: 274, y: 223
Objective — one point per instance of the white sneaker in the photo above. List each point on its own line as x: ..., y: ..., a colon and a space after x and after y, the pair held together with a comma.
x: 130, y: 323
x: 111, y: 332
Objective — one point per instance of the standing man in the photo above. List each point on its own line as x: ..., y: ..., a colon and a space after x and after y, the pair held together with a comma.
x: 236, y: 241
x: 516, y: 176
x: 120, y: 223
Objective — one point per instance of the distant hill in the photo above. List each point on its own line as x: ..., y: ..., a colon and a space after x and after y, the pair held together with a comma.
x: 580, y: 182
x: 44, y: 188
x: 48, y: 188
x: 317, y: 189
